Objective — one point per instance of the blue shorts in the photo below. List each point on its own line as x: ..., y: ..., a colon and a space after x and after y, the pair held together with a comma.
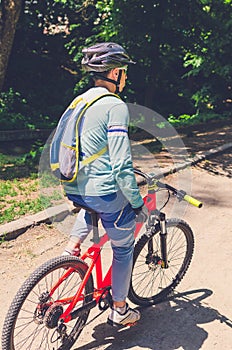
x: 115, y: 212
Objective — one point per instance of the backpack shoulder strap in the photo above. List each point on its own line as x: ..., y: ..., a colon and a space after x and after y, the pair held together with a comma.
x: 103, y: 150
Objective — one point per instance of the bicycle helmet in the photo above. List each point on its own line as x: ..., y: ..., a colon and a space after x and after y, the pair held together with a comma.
x: 104, y: 57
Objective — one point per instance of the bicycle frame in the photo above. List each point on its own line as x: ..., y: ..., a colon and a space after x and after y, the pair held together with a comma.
x: 93, y: 253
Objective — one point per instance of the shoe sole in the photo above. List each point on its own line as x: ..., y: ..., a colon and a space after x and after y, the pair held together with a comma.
x: 119, y: 325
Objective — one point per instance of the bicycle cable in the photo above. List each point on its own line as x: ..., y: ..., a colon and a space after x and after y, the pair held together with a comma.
x: 166, y: 200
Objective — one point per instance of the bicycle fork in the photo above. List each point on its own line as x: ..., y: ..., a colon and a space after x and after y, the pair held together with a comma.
x: 163, y: 240
x: 161, y: 227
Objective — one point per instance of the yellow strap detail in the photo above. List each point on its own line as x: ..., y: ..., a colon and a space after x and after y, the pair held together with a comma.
x: 75, y: 103
x: 67, y: 146
x: 94, y: 156
x: 55, y: 166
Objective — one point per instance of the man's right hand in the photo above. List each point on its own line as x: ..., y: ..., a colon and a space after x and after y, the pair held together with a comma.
x: 141, y: 213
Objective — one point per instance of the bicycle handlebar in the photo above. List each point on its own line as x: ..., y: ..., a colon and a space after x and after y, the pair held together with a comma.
x: 193, y: 201
x: 180, y: 194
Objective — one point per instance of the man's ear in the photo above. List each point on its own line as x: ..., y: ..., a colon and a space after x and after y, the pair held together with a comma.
x: 115, y: 73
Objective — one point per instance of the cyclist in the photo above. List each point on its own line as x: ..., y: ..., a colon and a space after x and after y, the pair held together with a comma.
x: 108, y: 185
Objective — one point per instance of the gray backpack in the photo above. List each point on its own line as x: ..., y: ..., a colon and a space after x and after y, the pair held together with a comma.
x: 64, y: 148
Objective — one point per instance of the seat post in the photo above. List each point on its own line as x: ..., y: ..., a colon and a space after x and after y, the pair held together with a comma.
x: 94, y: 219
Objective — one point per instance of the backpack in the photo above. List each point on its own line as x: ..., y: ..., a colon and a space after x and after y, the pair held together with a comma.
x: 64, y: 148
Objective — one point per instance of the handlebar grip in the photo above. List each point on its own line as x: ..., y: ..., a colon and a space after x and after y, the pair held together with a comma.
x: 193, y: 201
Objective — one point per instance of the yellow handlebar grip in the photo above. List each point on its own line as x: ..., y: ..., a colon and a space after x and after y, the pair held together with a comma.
x: 193, y: 201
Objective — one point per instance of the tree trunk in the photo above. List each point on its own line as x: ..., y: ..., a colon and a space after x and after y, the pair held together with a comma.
x: 9, y: 15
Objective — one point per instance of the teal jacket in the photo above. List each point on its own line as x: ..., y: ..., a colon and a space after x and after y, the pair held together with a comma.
x: 106, y: 124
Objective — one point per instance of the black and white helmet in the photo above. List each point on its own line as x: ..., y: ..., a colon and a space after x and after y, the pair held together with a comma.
x: 105, y: 56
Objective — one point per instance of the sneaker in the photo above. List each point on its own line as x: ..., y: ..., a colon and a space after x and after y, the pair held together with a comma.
x: 123, y: 316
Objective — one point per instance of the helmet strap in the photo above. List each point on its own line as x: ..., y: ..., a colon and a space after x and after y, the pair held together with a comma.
x: 102, y: 77
x: 118, y: 81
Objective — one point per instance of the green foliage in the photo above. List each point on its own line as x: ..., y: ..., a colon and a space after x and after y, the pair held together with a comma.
x: 17, y: 199
x: 188, y: 120
x: 182, y: 53
x: 16, y: 114
x: 207, y: 59
x: 24, y: 165
x: 23, y: 196
x: 10, y: 105
x: 21, y: 208
x: 183, y: 72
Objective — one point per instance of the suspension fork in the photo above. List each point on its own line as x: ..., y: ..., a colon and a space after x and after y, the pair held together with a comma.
x: 163, y: 239
x: 160, y: 218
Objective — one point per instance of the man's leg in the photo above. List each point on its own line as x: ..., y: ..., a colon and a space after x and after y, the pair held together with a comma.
x: 120, y: 228
x: 80, y: 231
x: 121, y: 269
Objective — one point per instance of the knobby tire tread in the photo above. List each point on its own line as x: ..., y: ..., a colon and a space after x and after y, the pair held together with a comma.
x: 160, y: 297
x: 25, y: 289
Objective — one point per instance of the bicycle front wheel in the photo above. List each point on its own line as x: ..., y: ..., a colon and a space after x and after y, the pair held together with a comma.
x: 33, y: 317
x: 151, y: 282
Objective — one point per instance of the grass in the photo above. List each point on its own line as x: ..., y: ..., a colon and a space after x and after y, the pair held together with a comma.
x: 14, y: 167
x: 23, y: 197
x: 20, y: 189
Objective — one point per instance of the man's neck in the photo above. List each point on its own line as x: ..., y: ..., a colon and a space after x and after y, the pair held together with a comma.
x: 109, y: 86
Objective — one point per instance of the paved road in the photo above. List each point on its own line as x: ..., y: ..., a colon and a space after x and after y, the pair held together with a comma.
x: 200, y: 317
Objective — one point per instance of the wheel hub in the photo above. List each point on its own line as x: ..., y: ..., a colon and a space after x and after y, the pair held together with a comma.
x: 153, y: 261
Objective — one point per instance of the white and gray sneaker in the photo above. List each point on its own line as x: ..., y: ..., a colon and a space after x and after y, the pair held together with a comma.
x: 123, y: 316
x: 72, y: 249
x: 74, y: 252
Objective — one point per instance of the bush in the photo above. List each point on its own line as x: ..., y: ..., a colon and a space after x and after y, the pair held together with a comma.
x: 188, y: 120
x: 16, y: 114
x: 10, y: 102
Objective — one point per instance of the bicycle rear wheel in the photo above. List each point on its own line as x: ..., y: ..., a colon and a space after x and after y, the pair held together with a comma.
x: 32, y: 319
x: 151, y: 283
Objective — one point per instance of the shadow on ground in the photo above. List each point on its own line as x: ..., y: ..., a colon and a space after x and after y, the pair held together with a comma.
x: 220, y: 165
x: 193, y: 140
x: 173, y: 324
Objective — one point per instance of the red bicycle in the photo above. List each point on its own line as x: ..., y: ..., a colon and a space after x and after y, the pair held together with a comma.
x: 51, y: 308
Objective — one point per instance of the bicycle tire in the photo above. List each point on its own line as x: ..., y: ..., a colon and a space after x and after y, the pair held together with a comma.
x: 151, y: 283
x: 25, y: 329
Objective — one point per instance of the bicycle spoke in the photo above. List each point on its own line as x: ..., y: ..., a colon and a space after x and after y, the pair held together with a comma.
x: 150, y: 279
x: 35, y: 314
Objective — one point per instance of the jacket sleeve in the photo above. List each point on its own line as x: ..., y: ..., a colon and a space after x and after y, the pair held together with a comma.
x: 120, y: 154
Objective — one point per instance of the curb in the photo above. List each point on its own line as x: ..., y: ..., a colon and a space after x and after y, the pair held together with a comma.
x: 15, y: 228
